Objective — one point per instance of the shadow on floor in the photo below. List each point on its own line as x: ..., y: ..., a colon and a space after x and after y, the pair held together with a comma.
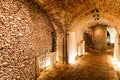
x: 118, y: 73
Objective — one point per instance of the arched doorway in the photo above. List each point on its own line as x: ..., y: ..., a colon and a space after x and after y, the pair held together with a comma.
x: 90, y: 33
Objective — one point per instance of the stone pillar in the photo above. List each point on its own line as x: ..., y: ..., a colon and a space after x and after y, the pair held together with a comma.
x: 71, y: 47
x: 100, y: 37
x: 116, y: 47
x: 118, y: 55
x: 60, y: 48
x: 117, y: 51
x: 65, y: 54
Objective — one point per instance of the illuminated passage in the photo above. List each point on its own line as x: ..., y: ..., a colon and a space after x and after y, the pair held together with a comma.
x: 92, y: 66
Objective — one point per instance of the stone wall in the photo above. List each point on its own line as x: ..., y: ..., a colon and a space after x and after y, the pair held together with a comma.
x: 100, y: 37
x: 25, y: 32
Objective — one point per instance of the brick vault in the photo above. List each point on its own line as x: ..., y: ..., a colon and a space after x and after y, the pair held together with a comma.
x: 38, y: 33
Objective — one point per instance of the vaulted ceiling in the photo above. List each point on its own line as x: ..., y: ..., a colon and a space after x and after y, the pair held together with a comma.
x: 82, y: 12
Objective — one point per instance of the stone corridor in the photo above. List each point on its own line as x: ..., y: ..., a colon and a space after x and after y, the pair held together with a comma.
x: 93, y: 65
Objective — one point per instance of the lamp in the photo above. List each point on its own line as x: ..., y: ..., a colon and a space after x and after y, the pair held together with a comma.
x: 96, y: 15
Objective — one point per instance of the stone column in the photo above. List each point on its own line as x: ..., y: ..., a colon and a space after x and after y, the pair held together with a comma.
x: 71, y: 46
x: 100, y: 37
x: 118, y: 52
x: 116, y: 47
x: 65, y: 54
x: 60, y: 47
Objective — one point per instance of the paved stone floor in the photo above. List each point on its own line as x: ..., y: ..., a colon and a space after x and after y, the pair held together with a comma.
x: 93, y: 65
x: 118, y: 72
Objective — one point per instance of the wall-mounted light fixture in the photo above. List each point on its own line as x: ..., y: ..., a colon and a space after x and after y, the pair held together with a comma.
x: 96, y: 15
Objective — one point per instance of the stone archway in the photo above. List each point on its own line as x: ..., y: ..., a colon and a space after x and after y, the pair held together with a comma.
x: 79, y: 26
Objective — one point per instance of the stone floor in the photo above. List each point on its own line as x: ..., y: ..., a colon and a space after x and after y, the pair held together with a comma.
x: 93, y: 65
x: 118, y: 73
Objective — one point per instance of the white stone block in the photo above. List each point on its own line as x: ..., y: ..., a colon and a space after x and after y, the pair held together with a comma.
x: 53, y: 59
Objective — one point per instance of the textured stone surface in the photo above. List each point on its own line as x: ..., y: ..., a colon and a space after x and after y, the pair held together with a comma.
x: 77, y: 15
x: 93, y: 65
x: 80, y: 10
x: 25, y: 32
x: 100, y: 37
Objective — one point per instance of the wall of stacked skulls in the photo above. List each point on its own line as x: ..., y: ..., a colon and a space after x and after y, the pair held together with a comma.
x: 25, y: 32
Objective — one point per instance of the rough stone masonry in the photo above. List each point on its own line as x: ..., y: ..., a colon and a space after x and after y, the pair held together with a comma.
x: 25, y: 32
